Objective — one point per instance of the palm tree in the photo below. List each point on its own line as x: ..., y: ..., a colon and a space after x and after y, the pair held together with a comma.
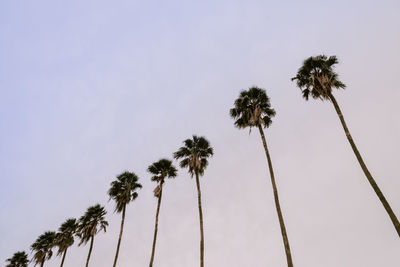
x: 19, y: 259
x: 317, y: 78
x: 65, y: 237
x: 160, y: 170
x: 194, y: 156
x: 91, y: 223
x: 253, y: 109
x: 42, y: 248
x: 123, y: 191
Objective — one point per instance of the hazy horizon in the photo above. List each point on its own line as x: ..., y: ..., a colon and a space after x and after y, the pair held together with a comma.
x: 90, y: 89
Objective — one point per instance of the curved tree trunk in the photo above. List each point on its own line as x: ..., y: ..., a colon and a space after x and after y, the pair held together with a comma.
x: 120, y: 235
x: 63, y: 258
x: 90, y: 251
x: 201, y: 221
x: 277, y: 205
x: 371, y: 180
x: 156, y: 227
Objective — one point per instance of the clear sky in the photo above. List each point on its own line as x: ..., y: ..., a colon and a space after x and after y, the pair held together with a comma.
x: 89, y: 89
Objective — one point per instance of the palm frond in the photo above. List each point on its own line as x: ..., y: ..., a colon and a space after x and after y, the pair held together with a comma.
x: 123, y: 189
x: 65, y: 236
x: 162, y: 169
x: 42, y: 247
x: 89, y: 223
x: 252, y: 109
x: 194, y: 154
x: 316, y: 77
x: 19, y: 259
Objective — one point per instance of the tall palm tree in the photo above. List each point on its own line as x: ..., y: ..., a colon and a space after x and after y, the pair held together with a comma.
x: 65, y: 237
x: 91, y: 223
x: 42, y: 248
x: 19, y: 259
x: 123, y: 191
x: 160, y: 170
x: 253, y: 109
x: 194, y: 155
x: 317, y: 78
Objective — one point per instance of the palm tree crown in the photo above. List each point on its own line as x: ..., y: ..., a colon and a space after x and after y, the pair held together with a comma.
x: 194, y: 154
x: 316, y: 77
x: 42, y: 247
x: 91, y: 222
x: 252, y: 108
x: 123, y: 190
x: 65, y: 235
x: 161, y: 169
x: 19, y: 259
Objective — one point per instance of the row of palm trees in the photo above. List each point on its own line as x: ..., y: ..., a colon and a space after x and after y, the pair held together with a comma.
x: 316, y: 78
x: 193, y: 156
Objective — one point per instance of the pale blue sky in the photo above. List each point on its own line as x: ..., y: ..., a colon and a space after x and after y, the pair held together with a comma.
x: 89, y: 89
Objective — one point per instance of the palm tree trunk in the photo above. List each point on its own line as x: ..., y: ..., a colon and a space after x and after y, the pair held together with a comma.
x: 90, y: 251
x: 63, y: 258
x: 277, y: 205
x: 120, y: 235
x: 201, y: 221
x: 42, y: 264
x: 371, y: 180
x: 156, y: 227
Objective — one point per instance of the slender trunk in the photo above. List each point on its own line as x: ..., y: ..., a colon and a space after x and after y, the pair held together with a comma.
x: 201, y: 221
x: 120, y: 236
x: 63, y: 258
x: 277, y: 205
x: 156, y: 227
x: 90, y: 250
x: 42, y: 264
x: 371, y: 180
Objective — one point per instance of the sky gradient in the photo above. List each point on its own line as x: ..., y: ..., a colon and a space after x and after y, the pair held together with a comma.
x: 90, y: 89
